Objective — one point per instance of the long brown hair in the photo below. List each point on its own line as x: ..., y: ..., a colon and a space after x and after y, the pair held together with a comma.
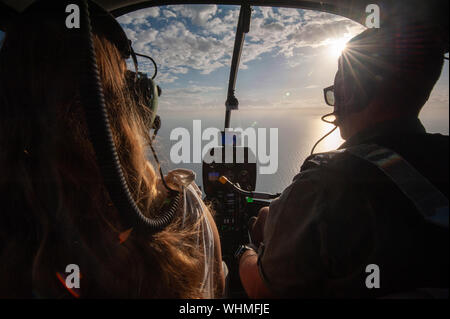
x: 54, y: 209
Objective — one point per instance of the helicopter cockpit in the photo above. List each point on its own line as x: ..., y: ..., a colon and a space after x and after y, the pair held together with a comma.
x: 222, y: 65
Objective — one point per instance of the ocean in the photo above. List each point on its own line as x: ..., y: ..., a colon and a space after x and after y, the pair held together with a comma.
x: 298, y: 130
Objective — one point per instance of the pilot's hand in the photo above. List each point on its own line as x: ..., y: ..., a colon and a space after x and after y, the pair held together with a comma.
x: 257, y: 226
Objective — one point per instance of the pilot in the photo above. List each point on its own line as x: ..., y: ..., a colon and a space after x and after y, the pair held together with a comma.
x: 369, y: 220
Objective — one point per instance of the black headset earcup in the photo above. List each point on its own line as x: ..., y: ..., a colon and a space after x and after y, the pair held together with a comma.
x: 157, y: 123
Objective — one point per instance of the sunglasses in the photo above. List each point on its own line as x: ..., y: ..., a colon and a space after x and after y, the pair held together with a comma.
x: 328, y: 94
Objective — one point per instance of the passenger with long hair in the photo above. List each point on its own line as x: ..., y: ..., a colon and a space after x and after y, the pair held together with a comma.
x: 54, y: 207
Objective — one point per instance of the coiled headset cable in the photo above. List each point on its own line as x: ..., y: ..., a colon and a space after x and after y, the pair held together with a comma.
x: 101, y: 137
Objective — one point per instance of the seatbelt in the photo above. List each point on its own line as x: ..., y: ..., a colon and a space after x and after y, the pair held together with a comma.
x: 429, y: 201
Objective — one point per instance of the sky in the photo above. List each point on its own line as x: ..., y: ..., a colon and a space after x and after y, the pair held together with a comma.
x: 289, y: 55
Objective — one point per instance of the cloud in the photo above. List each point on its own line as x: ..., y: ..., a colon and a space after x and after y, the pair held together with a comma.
x: 267, y: 12
x: 142, y: 40
x: 166, y: 77
x: 202, y: 37
x: 169, y: 14
x: 199, y: 14
x: 274, y: 26
x: 178, y: 46
x: 317, y: 34
x: 271, y: 32
x: 286, y: 12
x: 139, y: 17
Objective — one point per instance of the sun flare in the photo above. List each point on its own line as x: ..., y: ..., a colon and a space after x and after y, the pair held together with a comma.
x: 337, y: 46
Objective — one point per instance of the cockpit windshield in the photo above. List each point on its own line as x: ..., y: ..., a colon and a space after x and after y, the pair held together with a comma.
x: 193, y: 45
x: 288, y: 57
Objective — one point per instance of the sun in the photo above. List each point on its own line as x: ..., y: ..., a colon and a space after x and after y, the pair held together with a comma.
x: 337, y: 46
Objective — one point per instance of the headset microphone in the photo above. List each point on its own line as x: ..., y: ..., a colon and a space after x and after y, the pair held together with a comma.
x: 335, y: 122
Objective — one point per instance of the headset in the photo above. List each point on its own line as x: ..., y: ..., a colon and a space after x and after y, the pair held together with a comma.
x: 144, y: 89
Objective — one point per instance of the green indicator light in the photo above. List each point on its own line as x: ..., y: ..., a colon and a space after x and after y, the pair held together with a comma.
x: 249, y: 200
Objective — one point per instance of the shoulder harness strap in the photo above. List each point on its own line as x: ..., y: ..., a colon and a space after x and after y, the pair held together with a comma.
x: 429, y: 201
